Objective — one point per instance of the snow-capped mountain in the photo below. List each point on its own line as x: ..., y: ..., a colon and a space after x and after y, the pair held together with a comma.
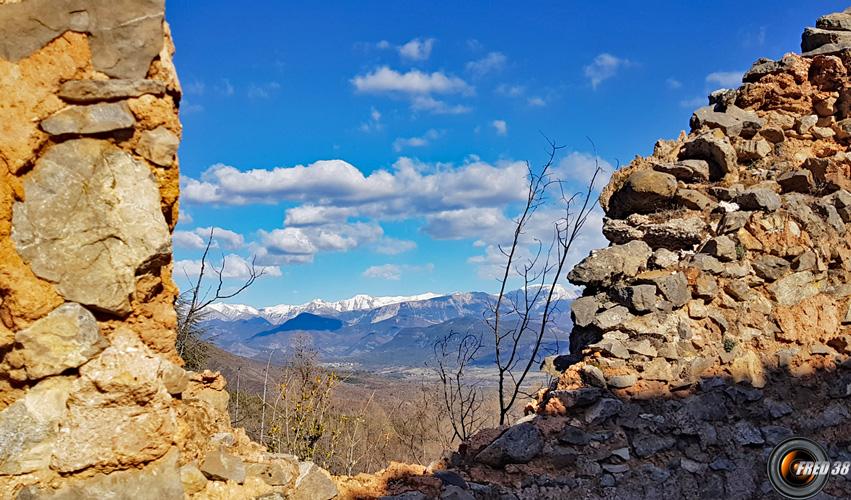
x: 279, y: 314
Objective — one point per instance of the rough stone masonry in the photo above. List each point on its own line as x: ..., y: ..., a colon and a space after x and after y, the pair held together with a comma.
x: 93, y: 400
x: 717, y: 322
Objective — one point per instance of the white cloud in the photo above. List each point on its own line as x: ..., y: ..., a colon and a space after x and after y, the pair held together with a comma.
x: 384, y: 79
x: 466, y: 223
x: 500, y: 126
x: 492, y: 62
x: 394, y: 272
x: 312, y: 215
x: 673, y: 83
x: 299, y: 244
x: 197, y: 238
x: 725, y: 79
x: 417, y: 49
x: 603, y: 67
x: 416, y: 142
x: 437, y: 107
x: 510, y: 90
x: 384, y: 272
x: 383, y: 44
x: 232, y: 267
x: 393, y: 246
x: 184, y: 217
x: 374, y: 123
x: 536, y: 102
x: 263, y: 90
x: 577, y: 168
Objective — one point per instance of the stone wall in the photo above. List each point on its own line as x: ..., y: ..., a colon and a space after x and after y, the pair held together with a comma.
x: 717, y: 322
x: 94, y: 402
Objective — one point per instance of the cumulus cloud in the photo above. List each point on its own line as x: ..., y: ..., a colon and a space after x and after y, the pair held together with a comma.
x: 394, y: 272
x: 725, y: 79
x: 577, y: 168
x: 417, y: 49
x: 500, y: 126
x: 374, y: 123
x: 603, y: 67
x: 492, y: 62
x: 384, y: 272
x: 536, y: 102
x: 385, y: 79
x: 416, y: 142
x: 437, y: 107
x: 233, y: 267
x: 197, y: 238
x: 293, y: 245
x: 393, y: 246
x: 510, y: 90
x: 463, y: 223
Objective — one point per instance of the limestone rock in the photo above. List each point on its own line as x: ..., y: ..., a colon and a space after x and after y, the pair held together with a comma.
x: 89, y: 91
x: 65, y: 338
x: 126, y: 36
x: 644, y: 191
x: 91, y: 119
x: 836, y: 21
x: 718, y: 152
x: 758, y: 199
x: 686, y: 170
x: 90, y: 220
x: 748, y: 368
x: 222, y: 466
x: 646, y: 445
x: 674, y: 286
x: 611, y: 318
x: 641, y: 298
x: 794, y: 288
x: 694, y: 199
x: 29, y: 426
x: 771, y: 268
x: 731, y: 120
x: 192, y: 478
x: 517, y: 445
x: 158, y: 145
x: 676, y: 234
x: 799, y: 181
x: 583, y: 310
x: 622, y: 381
x: 753, y: 150
x: 813, y: 38
x: 605, y: 265
x: 722, y: 247
x: 313, y: 483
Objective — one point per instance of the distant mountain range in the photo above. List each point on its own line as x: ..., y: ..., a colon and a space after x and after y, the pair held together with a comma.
x: 366, y: 330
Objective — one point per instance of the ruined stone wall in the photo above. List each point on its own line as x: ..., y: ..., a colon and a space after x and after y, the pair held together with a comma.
x: 717, y: 322
x: 94, y: 402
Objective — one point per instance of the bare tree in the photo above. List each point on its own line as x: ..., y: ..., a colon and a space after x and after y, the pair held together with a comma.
x: 521, y: 321
x: 192, y: 303
x: 461, y: 395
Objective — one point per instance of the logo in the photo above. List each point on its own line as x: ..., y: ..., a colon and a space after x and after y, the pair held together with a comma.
x: 799, y: 468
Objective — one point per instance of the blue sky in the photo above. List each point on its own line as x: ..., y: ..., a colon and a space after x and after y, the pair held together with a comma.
x: 377, y: 147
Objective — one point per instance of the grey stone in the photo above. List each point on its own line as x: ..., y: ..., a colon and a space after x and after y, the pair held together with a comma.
x: 89, y: 91
x: 611, y: 318
x: 679, y: 233
x: 831, y: 215
x: 731, y: 120
x: 718, y: 152
x: 707, y: 263
x: 159, y: 480
x: 159, y: 146
x: 794, y: 288
x: 645, y: 191
x: 663, y: 258
x: 90, y: 220
x: 453, y: 492
x: 65, y: 338
x: 693, y: 466
x: 615, y: 469
x: 313, y: 483
x: 758, y: 199
x: 722, y: 247
x: 752, y: 150
x: 842, y: 201
x: 580, y: 397
x: 622, y: 381
x: 833, y: 415
x: 448, y: 477
x: 608, y: 480
x: 738, y: 289
x: 89, y: 119
x: 762, y: 67
x: 619, y: 231
x: 646, y: 445
x: 613, y: 347
x: 583, y: 310
x: 28, y: 426
x: 774, y: 434
x: 593, y: 376
x: 770, y: 268
x: 837, y: 21
x: 653, y: 472
x: 608, y: 264
x: 694, y: 199
x: 274, y: 474
x: 674, y: 287
x: 686, y: 170
x: 657, y: 369
x: 408, y: 495
x: 517, y: 445
x: 796, y: 181
x: 126, y: 35
x: 602, y: 410
x: 574, y: 435
x: 746, y: 433
x: 733, y: 221
x: 642, y: 347
x: 723, y: 464
x: 220, y: 465
x: 814, y: 38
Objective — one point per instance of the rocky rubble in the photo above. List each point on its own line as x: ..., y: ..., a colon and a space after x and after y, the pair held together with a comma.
x: 93, y: 400
x: 718, y: 321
